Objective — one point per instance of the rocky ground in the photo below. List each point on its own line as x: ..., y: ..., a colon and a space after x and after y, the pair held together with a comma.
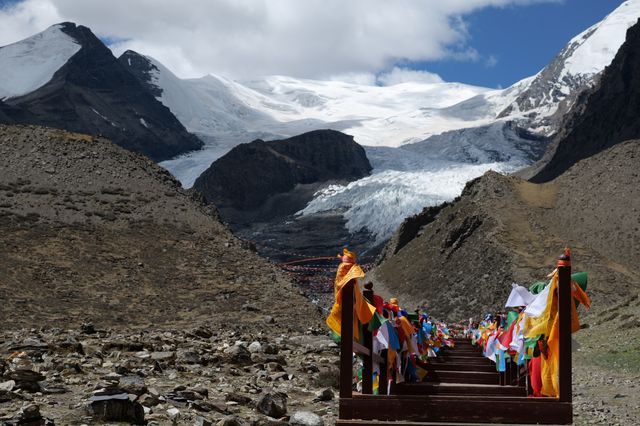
x: 91, y: 232
x: 189, y: 376
x: 606, y: 366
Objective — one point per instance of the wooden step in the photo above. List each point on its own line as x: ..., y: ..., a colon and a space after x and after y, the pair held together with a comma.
x: 451, y: 366
x: 463, y: 351
x: 431, y: 388
x: 489, y: 378
x: 460, y: 409
x: 461, y: 360
x: 401, y: 423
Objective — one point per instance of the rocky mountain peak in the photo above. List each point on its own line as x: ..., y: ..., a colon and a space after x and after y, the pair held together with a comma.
x: 68, y: 79
x: 553, y: 91
x: 142, y: 68
x: 251, y: 173
x: 604, y: 116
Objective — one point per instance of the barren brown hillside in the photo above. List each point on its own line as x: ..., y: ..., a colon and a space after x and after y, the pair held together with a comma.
x: 89, y: 231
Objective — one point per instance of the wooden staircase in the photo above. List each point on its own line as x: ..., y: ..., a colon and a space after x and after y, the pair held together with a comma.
x: 461, y: 387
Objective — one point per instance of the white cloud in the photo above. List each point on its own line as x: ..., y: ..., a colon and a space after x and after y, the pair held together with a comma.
x: 404, y: 75
x: 491, y: 61
x: 361, y: 78
x: 246, y: 38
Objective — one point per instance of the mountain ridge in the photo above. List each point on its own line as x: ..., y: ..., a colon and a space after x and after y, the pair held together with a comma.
x: 92, y: 93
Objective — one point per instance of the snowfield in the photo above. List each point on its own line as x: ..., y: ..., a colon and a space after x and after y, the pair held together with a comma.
x: 31, y: 63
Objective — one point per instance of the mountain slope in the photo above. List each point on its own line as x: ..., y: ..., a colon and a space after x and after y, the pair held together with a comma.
x: 461, y: 257
x: 608, y: 115
x: 91, y: 92
x: 91, y: 231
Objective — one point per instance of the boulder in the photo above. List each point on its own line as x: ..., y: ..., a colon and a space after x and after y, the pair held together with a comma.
x: 306, y: 418
x: 324, y: 395
x: 238, y: 354
x: 273, y: 404
x: 117, y: 408
x: 231, y: 421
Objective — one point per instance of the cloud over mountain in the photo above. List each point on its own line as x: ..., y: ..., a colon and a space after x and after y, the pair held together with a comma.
x: 245, y: 38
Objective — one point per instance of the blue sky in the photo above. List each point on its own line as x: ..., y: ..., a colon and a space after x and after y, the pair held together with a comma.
x: 522, y: 40
x: 350, y: 39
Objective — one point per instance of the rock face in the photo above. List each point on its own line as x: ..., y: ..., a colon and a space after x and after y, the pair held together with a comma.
x: 94, y: 93
x: 89, y: 231
x: 603, y: 117
x: 251, y: 174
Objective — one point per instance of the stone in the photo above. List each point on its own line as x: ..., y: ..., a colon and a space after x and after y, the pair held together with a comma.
x: 273, y: 404
x: 270, y: 349
x: 116, y: 407
x: 255, y: 347
x: 8, y: 385
x: 173, y: 412
x: 324, y: 395
x: 231, y: 421
x: 188, y: 357
x: 88, y: 328
x: 149, y: 400
x: 163, y: 356
x: 239, y: 398
x: 203, y: 332
x: 132, y: 384
x: 208, y: 406
x: 306, y: 418
x: 238, y: 354
x: 201, y: 421
x: 26, y: 380
x: 28, y: 414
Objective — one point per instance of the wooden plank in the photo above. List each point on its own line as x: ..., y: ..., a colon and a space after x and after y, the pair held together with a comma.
x: 431, y: 388
x: 402, y: 423
x: 359, y: 349
x: 461, y: 409
x: 450, y: 366
x: 472, y: 377
x: 346, y: 341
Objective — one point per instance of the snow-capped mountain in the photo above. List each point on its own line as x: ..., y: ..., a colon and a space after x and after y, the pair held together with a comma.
x: 465, y: 130
x: 574, y: 69
x: 414, y: 133
x: 65, y: 77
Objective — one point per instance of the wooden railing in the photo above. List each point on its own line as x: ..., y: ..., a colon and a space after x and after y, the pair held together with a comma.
x: 348, y: 346
x: 514, y: 410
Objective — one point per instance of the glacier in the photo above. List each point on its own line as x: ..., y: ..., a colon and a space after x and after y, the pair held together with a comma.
x: 408, y: 178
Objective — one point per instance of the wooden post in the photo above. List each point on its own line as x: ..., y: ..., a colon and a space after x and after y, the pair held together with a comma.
x: 346, y: 341
x: 383, y: 381
x: 564, y: 321
x: 367, y: 370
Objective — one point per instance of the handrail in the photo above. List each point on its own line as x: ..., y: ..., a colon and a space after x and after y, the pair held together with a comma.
x: 564, y: 321
x: 348, y: 346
